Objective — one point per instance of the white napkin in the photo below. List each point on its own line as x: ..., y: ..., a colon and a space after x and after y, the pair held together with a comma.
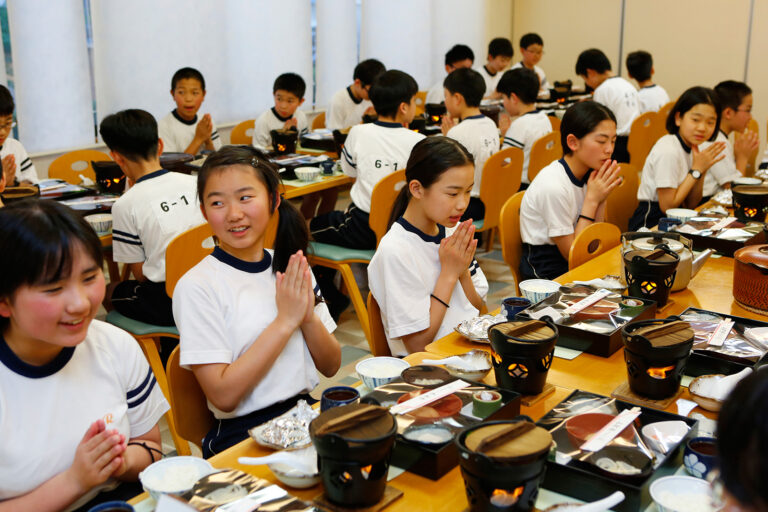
x: 734, y: 233
x: 684, y: 407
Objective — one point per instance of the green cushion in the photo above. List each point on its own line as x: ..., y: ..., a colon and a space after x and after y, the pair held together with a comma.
x: 478, y: 224
x: 338, y: 253
x: 139, y: 328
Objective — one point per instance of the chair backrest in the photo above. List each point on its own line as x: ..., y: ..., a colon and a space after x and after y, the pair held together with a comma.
x: 319, y: 121
x: 184, y: 252
x: 543, y: 152
x: 502, y: 173
x: 379, y: 345
x: 421, y: 101
x: 188, y: 403
x: 242, y: 133
x: 753, y: 126
x: 663, y: 114
x: 382, y: 200
x: 642, y: 136
x: 622, y: 201
x: 509, y: 234
x: 591, y: 242
x: 555, y: 122
x: 70, y: 166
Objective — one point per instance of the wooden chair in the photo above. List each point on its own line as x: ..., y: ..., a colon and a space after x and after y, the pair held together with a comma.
x: 242, y: 133
x: 340, y: 258
x: 642, y: 136
x: 378, y: 341
x: 663, y: 114
x: 421, y: 101
x: 319, y: 121
x: 543, y: 152
x: 753, y: 126
x: 622, y: 202
x: 502, y: 174
x: 555, y: 122
x: 184, y: 252
x: 70, y: 166
x: 593, y: 241
x: 509, y: 234
x: 188, y: 403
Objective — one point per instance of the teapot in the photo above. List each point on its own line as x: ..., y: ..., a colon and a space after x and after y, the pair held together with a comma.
x: 688, y: 266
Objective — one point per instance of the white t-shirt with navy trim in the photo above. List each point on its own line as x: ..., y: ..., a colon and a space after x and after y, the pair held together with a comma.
x: 46, y: 410
x: 523, y: 132
x: 221, y: 306
x: 666, y: 166
x: 491, y: 81
x: 552, y: 204
x: 480, y: 135
x: 436, y: 94
x: 402, y: 275
x: 25, y: 169
x: 177, y: 133
x: 652, y: 98
x: 722, y: 172
x: 621, y: 97
x: 371, y: 152
x: 271, y: 120
x: 543, y: 83
x: 157, y: 208
x: 345, y: 110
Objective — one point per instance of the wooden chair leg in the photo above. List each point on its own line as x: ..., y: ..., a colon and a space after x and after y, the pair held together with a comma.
x: 357, y: 300
x: 489, y: 240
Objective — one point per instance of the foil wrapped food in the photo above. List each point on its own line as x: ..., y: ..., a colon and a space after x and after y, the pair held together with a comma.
x: 288, y: 431
x: 476, y: 329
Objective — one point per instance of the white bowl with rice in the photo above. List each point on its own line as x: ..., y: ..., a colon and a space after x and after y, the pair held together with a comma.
x: 682, y: 494
x: 174, y: 475
x: 536, y: 290
x: 377, y: 371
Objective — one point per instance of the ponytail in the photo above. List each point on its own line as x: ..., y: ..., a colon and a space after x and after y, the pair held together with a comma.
x: 292, y: 235
x: 401, y: 203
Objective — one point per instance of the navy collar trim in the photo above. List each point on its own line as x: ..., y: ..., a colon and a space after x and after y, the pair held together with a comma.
x: 356, y: 101
x: 427, y: 238
x: 252, y: 267
x: 274, y: 111
x: 686, y: 148
x: 488, y: 71
x: 719, y: 130
x: 152, y: 175
x: 385, y: 124
x: 534, y: 111
x: 16, y: 365
x: 478, y: 116
x: 649, y: 86
x: 574, y: 179
x: 181, y: 119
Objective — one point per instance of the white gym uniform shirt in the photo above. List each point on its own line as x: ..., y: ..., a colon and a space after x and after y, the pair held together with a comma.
x: 345, y: 110
x: 480, y: 135
x: 652, y: 98
x: 523, y: 132
x: 491, y: 81
x: 271, y: 120
x: 722, y: 172
x: 25, y: 169
x: 621, y: 97
x: 178, y: 133
x: 666, y: 166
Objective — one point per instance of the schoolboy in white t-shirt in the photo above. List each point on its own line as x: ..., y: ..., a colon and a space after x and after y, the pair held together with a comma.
x: 519, y: 88
x: 158, y: 207
x: 478, y: 133
x: 180, y: 130
x: 651, y: 96
x: 500, y: 54
x: 532, y: 49
x: 460, y: 56
x: 288, y: 91
x: 348, y: 105
x: 612, y: 91
x: 17, y: 166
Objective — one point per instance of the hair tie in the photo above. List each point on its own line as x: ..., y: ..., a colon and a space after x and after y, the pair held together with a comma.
x: 254, y: 162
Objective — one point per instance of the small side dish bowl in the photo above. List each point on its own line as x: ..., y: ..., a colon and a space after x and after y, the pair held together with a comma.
x: 582, y: 427
x: 696, y: 389
x: 100, y: 222
x: 536, y: 290
x: 377, y: 371
x: 294, y: 477
x: 681, y: 214
x: 672, y: 493
x: 307, y: 173
x: 175, y: 475
x: 480, y: 360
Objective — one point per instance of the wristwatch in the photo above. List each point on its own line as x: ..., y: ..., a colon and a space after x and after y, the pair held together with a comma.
x: 696, y: 174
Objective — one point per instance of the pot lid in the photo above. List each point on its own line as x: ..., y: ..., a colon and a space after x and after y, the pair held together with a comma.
x: 653, y: 256
x: 509, y: 439
x: 665, y: 334
x: 527, y: 330
x: 752, y: 190
x: 753, y: 254
x: 650, y: 243
x: 358, y: 422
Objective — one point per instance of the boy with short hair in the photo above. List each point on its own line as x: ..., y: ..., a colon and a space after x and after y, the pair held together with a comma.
x: 651, y: 97
x: 464, y: 90
x: 500, y: 53
x: 736, y: 103
x: 612, y: 91
x: 288, y: 91
x: 17, y: 167
x: 348, y: 105
x: 180, y: 130
x: 458, y: 57
x: 532, y: 49
x: 519, y: 88
x: 159, y: 206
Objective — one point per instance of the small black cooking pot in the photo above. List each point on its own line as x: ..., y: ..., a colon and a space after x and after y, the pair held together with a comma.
x: 109, y: 177
x: 750, y: 202
x: 284, y: 141
x: 521, y: 365
x: 650, y: 273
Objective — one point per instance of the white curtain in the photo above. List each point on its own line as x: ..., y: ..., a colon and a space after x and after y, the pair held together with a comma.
x: 446, y: 32
x: 54, y: 104
x: 3, y: 73
x: 336, y: 47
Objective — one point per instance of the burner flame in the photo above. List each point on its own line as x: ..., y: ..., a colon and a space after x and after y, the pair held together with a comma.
x: 660, y: 373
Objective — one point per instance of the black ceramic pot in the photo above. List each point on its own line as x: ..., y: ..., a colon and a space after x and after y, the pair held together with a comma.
x: 284, y: 141
x: 750, y: 202
x: 521, y: 365
x: 109, y: 177
x: 651, y: 273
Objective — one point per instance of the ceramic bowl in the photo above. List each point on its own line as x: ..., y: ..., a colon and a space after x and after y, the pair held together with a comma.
x: 100, y: 222
x: 699, y: 457
x: 681, y: 214
x: 705, y: 402
x: 377, y: 371
x: 307, y: 173
x: 175, y: 475
x: 747, y: 180
x: 475, y: 375
x: 582, y: 427
x: 536, y: 290
x: 296, y: 478
x: 669, y: 491
x: 663, y: 435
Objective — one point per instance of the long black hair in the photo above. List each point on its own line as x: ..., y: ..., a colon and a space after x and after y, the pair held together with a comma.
x: 292, y: 234
x: 38, y: 239
x: 581, y: 119
x: 430, y: 158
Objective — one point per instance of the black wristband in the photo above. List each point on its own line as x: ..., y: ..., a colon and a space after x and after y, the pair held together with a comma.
x: 149, y: 449
x: 590, y: 219
x: 439, y: 300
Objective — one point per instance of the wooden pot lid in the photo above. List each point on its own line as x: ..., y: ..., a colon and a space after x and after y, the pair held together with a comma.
x: 509, y: 440
x: 666, y: 334
x: 529, y: 330
x: 358, y: 422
